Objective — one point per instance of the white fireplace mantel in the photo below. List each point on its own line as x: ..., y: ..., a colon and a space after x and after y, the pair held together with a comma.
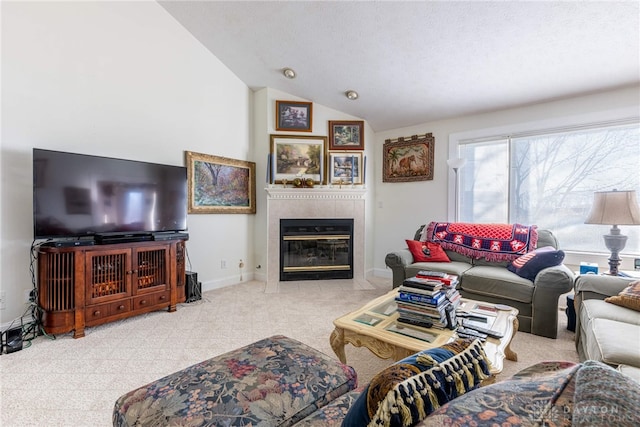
x: 317, y: 202
x: 330, y: 193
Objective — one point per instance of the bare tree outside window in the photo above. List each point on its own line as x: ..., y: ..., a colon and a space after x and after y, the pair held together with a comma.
x: 549, y: 180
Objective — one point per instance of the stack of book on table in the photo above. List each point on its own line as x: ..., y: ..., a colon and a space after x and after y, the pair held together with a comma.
x: 423, y: 300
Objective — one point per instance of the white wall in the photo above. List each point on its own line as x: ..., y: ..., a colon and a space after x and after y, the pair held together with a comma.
x: 402, y: 207
x: 119, y: 79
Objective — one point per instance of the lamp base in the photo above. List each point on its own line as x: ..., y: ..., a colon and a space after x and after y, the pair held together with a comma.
x: 615, y: 242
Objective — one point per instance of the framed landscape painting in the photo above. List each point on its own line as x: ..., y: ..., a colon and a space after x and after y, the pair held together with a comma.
x: 346, y: 135
x: 294, y: 116
x: 408, y: 159
x: 220, y: 185
x: 297, y: 157
x: 345, y: 168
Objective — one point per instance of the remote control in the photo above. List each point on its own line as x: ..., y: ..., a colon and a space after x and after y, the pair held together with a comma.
x: 489, y: 332
x: 470, y: 332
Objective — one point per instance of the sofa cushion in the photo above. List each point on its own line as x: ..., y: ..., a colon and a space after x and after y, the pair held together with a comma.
x: 612, y: 342
x: 497, y: 282
x: 528, y: 398
x: 419, y: 384
x: 546, y: 238
x: 599, y: 309
x: 604, y: 397
x: 426, y: 251
x: 531, y: 263
x: 630, y: 371
x: 274, y: 381
x: 629, y: 297
x: 331, y: 415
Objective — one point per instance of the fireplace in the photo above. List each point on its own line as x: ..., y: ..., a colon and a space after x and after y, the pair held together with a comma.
x: 316, y: 204
x: 316, y: 249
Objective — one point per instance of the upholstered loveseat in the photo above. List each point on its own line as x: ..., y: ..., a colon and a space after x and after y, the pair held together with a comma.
x: 491, y: 281
x: 605, y: 331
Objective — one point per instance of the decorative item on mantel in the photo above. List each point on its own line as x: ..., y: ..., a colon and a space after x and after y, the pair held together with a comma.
x: 346, y: 168
x: 614, y: 208
x: 408, y: 159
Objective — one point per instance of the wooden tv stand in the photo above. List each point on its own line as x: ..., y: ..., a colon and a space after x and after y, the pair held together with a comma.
x: 91, y: 285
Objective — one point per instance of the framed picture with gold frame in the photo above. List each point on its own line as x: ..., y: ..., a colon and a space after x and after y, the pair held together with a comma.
x: 294, y: 116
x: 220, y: 185
x: 295, y: 156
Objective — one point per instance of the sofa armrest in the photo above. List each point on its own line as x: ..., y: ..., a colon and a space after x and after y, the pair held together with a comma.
x: 397, y: 261
x: 591, y: 286
x: 549, y: 284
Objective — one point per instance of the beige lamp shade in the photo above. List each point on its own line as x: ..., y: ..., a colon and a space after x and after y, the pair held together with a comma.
x: 614, y: 208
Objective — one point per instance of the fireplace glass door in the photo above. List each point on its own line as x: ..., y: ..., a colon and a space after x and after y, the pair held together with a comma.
x: 316, y: 249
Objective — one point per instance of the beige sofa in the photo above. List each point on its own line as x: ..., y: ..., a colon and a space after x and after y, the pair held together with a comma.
x: 606, y: 332
x: 536, y: 301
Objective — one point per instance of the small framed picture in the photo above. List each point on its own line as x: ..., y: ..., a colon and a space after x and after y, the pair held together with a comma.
x: 294, y: 116
x: 346, y: 135
x: 345, y: 168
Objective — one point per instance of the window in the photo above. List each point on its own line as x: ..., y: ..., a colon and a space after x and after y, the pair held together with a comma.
x: 548, y: 179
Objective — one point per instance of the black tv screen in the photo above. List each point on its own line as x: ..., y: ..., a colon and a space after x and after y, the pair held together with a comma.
x: 77, y: 195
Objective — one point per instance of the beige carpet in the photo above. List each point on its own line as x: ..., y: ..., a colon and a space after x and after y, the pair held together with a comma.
x: 74, y: 382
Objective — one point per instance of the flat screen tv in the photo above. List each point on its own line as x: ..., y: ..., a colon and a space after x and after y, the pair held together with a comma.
x: 77, y: 195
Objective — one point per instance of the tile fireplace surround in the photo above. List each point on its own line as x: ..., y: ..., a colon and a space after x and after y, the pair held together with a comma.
x: 305, y: 203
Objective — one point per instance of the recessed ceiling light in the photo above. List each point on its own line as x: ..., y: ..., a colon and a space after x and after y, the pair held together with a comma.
x: 351, y: 94
x: 289, y: 73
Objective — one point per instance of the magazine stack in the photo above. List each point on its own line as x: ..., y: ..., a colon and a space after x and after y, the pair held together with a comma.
x: 428, y: 299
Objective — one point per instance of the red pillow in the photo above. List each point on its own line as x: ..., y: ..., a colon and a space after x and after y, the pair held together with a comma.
x: 427, y: 252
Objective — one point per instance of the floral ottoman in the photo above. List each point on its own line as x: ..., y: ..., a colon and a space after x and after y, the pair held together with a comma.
x: 277, y: 381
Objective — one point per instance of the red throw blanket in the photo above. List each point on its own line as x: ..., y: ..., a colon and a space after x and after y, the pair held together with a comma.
x: 494, y: 242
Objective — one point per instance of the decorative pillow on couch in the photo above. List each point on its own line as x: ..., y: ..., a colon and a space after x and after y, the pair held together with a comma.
x: 531, y: 263
x: 629, y: 297
x: 406, y: 392
x: 427, y: 252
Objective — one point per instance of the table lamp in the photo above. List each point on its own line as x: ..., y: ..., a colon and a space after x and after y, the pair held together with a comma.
x: 614, y: 208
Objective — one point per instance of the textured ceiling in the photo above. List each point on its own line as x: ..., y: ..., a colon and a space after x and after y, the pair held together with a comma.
x: 413, y: 62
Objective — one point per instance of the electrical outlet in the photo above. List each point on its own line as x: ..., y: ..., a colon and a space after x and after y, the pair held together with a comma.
x: 223, y: 263
x: 3, y: 300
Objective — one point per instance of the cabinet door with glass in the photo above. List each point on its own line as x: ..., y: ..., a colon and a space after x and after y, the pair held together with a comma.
x: 108, y: 275
x: 151, y: 269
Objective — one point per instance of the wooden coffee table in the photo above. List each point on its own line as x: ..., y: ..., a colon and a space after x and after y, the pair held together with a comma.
x: 375, y: 327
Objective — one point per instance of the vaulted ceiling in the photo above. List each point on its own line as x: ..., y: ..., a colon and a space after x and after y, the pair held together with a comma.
x: 419, y: 61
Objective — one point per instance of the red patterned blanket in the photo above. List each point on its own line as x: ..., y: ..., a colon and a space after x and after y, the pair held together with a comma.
x: 494, y: 242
